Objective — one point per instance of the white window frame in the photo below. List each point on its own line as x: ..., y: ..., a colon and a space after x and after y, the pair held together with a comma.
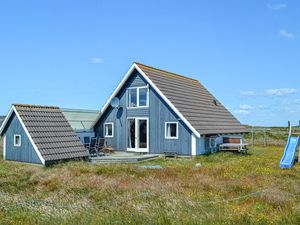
x: 138, y: 97
x: 20, y: 138
x: 112, y: 130
x: 177, y: 135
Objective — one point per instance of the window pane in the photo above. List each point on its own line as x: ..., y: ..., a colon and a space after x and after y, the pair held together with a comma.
x: 86, y: 140
x: 132, y: 97
x: 108, y: 129
x: 131, y: 133
x: 142, y: 134
x: 171, y: 130
x: 168, y: 130
x: 143, y: 95
x: 17, y: 140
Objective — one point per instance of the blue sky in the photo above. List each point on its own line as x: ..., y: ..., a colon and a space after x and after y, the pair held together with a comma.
x: 74, y: 53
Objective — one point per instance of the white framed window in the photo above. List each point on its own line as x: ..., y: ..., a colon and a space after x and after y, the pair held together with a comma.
x: 138, y: 97
x: 171, y: 130
x: 17, y: 140
x: 109, y: 130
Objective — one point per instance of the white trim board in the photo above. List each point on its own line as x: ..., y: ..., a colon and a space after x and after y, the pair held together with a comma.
x: 13, y: 109
x: 194, y: 145
x: 6, y: 120
x: 123, y: 81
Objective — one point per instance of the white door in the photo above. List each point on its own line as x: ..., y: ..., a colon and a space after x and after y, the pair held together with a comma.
x: 138, y: 134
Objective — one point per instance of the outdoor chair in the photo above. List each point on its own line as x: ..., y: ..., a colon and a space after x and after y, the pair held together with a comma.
x: 99, y: 146
x: 86, y: 142
x: 92, y: 146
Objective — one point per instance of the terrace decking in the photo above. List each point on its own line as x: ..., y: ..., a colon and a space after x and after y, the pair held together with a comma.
x: 123, y: 157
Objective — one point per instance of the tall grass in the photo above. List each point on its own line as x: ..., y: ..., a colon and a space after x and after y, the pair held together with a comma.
x: 228, y: 189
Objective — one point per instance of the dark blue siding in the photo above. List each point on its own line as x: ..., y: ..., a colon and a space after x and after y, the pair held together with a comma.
x: 119, y: 116
x: 142, y: 112
x: 158, y: 113
x: 136, y: 80
x: 24, y: 153
x: 200, y: 146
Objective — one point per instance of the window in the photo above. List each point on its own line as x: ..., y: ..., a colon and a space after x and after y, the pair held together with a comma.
x: 171, y: 130
x: 17, y: 140
x: 143, y: 97
x: 138, y: 97
x: 132, y: 97
x: 108, y: 130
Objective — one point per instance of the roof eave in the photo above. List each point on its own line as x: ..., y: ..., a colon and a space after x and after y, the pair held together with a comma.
x: 12, y: 109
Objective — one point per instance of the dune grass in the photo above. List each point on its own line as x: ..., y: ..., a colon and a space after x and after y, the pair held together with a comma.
x: 227, y: 189
x: 275, y: 136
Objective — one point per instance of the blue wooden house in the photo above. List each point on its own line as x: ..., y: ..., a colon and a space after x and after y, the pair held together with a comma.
x: 156, y: 111
x: 40, y: 135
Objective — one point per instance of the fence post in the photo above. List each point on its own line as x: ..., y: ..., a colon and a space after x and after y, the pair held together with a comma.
x: 290, y: 128
x: 265, y: 137
x: 252, y: 136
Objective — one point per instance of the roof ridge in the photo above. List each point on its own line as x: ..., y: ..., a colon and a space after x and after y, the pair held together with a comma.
x: 35, y: 106
x: 168, y: 72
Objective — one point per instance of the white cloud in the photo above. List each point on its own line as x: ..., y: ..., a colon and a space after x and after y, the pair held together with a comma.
x: 248, y: 93
x: 241, y: 112
x: 281, y: 91
x: 277, y: 6
x: 97, y: 60
x: 286, y: 34
x: 245, y: 107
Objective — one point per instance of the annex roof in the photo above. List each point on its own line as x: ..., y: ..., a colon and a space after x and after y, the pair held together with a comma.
x: 49, y: 132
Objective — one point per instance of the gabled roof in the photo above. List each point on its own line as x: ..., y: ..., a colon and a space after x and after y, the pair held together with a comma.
x: 189, y: 99
x: 49, y: 132
x: 81, y: 119
x: 204, y: 112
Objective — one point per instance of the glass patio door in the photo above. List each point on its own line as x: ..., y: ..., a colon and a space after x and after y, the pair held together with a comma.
x: 137, y: 135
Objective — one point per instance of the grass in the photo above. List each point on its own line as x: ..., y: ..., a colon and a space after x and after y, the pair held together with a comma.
x: 227, y: 189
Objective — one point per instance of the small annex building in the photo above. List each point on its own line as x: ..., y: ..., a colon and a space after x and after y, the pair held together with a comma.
x: 156, y: 111
x: 40, y: 135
